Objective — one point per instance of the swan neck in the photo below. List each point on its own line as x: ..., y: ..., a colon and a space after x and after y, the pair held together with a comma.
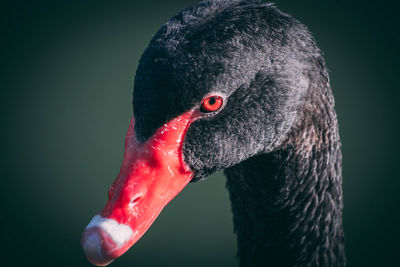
x: 287, y: 205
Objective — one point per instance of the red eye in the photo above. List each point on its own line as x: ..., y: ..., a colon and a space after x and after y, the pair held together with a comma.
x: 211, y: 103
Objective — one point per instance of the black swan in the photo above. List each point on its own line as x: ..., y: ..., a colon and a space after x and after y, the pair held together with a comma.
x: 237, y: 86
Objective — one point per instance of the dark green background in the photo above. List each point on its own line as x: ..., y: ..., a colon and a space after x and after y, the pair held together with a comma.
x: 67, y: 77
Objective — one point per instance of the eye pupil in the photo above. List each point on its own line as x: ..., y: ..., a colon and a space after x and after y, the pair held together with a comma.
x: 212, y: 100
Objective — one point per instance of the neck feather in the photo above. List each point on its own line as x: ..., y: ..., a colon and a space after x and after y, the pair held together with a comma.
x: 287, y: 205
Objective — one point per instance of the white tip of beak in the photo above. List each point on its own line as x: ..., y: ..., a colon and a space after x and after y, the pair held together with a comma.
x: 102, y: 237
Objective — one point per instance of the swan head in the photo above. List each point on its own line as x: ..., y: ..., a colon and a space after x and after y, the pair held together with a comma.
x: 259, y: 60
x: 219, y: 83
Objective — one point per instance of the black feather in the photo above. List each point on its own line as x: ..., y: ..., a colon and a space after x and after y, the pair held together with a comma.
x: 277, y: 137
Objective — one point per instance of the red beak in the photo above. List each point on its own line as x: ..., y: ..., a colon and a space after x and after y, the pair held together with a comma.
x: 151, y: 175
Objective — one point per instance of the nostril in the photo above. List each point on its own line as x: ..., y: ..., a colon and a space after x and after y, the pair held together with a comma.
x: 135, y: 200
